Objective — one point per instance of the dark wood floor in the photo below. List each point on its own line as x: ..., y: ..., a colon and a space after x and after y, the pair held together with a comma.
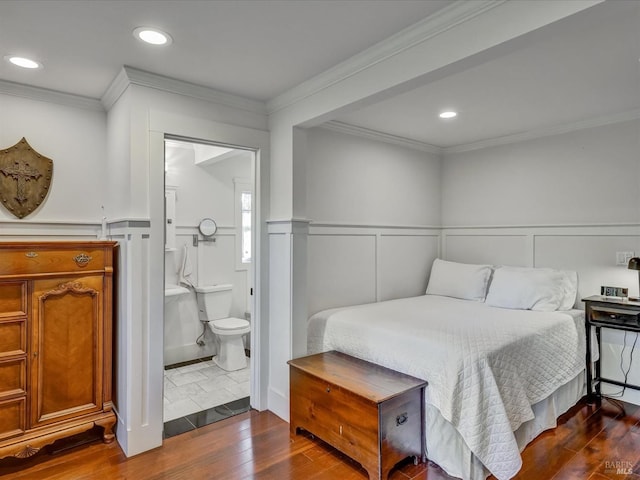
x: 591, y: 442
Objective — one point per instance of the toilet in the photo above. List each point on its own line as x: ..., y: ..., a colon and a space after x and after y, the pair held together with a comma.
x: 214, y: 304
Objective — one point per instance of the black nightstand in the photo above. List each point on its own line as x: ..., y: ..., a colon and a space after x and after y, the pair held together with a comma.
x: 611, y: 313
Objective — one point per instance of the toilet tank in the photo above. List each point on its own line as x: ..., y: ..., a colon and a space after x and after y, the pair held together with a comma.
x: 214, y: 301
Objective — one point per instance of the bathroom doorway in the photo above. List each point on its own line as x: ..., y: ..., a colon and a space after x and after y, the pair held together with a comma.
x: 209, y: 242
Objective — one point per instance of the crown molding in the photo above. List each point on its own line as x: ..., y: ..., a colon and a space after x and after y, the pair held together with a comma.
x: 50, y: 96
x: 115, y: 90
x: 380, y: 136
x: 458, y: 12
x: 490, y: 142
x: 546, y: 132
x: 133, y: 76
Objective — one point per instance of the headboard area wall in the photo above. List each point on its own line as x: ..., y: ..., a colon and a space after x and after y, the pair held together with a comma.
x: 569, y: 201
x: 566, y: 201
x: 375, y: 219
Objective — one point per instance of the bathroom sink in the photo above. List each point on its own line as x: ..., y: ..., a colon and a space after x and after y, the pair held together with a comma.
x: 173, y: 290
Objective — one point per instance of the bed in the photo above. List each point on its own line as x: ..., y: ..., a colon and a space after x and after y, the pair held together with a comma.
x: 498, y: 375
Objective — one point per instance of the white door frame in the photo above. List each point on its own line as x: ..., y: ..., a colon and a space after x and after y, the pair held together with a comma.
x: 197, y: 129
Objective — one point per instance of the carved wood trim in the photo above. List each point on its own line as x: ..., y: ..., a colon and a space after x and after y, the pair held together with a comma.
x: 27, y: 451
x: 75, y: 287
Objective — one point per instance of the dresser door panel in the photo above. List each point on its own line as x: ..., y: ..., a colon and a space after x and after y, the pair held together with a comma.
x: 66, y: 371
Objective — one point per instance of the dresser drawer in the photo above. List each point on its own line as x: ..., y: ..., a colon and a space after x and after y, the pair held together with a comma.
x: 13, y: 299
x: 13, y: 377
x: 13, y: 338
x: 615, y: 316
x: 38, y: 260
x: 12, y: 418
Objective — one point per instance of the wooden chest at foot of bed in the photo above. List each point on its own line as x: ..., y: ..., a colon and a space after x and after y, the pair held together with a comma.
x: 370, y: 413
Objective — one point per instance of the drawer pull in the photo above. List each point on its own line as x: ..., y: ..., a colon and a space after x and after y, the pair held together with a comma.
x: 31, y: 254
x: 328, y: 389
x: 82, y: 259
x: 402, y: 419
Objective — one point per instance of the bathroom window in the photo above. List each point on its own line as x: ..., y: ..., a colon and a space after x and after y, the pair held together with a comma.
x: 243, y: 216
x: 245, y: 210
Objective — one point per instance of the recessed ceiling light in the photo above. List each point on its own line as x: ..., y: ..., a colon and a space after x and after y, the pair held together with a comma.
x: 152, y: 36
x: 449, y: 114
x: 23, y: 62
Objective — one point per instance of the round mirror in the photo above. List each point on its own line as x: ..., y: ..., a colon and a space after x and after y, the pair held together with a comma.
x: 208, y: 227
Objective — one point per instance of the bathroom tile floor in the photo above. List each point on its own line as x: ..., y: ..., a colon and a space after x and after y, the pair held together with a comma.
x: 200, y: 392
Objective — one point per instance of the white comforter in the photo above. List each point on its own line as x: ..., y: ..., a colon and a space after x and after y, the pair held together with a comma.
x: 485, y: 366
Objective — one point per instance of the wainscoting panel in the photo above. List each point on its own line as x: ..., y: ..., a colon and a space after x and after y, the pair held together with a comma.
x: 592, y: 256
x: 485, y: 248
x: 355, y: 264
x: 590, y: 250
x: 404, y: 264
x: 342, y: 270
x: 280, y: 321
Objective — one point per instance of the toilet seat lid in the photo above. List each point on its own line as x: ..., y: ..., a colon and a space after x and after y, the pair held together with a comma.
x: 230, y: 323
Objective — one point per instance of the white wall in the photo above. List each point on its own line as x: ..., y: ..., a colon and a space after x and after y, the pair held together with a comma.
x: 118, y: 175
x: 375, y: 213
x: 146, y: 112
x: 569, y: 201
x: 75, y: 139
x: 583, y: 177
x: 202, y: 191
x: 436, y: 47
x: 354, y: 180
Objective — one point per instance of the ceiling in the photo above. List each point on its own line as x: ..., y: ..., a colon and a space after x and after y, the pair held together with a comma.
x: 256, y: 49
x: 580, y: 68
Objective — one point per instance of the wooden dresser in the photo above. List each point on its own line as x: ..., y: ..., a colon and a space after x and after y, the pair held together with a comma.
x: 370, y: 413
x: 55, y: 342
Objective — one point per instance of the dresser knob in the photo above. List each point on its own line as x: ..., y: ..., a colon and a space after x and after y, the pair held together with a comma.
x: 328, y: 389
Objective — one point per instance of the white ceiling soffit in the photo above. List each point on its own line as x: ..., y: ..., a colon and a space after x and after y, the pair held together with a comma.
x: 204, y: 154
x: 578, y: 72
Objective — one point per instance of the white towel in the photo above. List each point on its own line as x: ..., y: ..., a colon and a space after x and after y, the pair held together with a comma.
x: 187, y: 269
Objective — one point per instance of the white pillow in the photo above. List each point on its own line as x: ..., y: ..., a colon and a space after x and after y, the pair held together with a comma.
x: 459, y: 280
x: 541, y: 289
x: 570, y: 289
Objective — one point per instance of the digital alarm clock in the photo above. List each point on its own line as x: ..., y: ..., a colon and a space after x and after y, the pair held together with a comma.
x: 614, y: 291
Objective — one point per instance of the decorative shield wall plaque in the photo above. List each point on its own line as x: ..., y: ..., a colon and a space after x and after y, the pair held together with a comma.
x: 25, y: 177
